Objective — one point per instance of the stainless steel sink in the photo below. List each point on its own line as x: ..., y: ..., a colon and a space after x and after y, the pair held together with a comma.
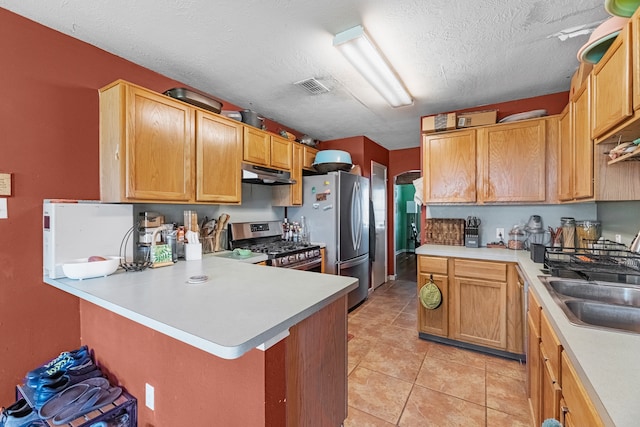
x: 606, y: 315
x: 598, y: 291
x: 597, y: 304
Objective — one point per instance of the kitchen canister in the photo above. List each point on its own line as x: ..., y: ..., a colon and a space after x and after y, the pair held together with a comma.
x: 587, y: 233
x: 568, y: 225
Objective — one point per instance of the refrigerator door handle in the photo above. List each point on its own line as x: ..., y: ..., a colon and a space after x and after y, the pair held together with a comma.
x: 356, y: 217
x: 353, y: 262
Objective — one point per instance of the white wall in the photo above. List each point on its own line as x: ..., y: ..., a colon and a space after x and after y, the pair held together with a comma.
x: 506, y: 216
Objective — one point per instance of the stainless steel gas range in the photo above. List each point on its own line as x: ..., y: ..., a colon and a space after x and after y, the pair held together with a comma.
x: 266, y: 237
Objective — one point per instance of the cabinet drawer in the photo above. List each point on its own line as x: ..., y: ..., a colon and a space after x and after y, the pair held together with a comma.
x: 431, y: 264
x: 551, y: 345
x: 481, y: 270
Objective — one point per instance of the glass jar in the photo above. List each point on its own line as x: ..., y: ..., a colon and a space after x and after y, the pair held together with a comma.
x: 587, y: 233
x: 568, y: 225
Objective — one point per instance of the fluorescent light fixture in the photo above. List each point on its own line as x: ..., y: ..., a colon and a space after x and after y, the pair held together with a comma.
x: 356, y: 46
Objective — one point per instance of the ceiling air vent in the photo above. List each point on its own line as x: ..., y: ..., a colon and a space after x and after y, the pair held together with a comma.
x: 313, y: 86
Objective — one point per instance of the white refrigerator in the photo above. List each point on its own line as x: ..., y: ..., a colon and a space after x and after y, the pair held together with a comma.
x: 336, y: 209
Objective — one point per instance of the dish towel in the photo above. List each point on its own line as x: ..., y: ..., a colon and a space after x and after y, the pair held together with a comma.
x: 417, y: 197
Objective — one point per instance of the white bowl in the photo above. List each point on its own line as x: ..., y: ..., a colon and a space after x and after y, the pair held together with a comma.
x: 82, y: 268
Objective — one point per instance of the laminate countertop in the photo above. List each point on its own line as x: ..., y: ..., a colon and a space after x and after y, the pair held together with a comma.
x: 607, y: 361
x: 239, y: 307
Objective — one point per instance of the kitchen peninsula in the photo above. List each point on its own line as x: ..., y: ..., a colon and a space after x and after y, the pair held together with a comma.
x: 252, y: 345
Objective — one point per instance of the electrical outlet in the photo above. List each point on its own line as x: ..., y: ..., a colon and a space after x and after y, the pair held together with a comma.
x: 500, y: 233
x: 149, y: 396
x: 618, y: 238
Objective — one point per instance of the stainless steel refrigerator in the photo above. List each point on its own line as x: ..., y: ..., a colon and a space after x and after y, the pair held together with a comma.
x: 336, y: 209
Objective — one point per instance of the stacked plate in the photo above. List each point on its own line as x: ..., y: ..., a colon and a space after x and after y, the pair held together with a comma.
x: 623, y: 8
x: 601, y: 38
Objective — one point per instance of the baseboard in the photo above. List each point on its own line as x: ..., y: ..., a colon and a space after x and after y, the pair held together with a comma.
x: 474, y: 347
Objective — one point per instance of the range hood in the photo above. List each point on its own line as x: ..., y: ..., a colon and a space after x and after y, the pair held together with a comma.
x: 253, y: 174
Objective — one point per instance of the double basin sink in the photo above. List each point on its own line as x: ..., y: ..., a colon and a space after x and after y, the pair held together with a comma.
x: 597, y: 304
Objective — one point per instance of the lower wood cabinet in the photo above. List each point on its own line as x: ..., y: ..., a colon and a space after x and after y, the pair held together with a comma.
x: 477, y: 307
x: 554, y: 389
x: 436, y: 321
x: 577, y: 409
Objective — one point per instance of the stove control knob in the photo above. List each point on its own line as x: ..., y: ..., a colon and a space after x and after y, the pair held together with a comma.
x: 282, y: 261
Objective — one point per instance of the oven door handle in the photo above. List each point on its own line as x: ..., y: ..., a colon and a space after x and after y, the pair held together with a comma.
x: 306, y: 265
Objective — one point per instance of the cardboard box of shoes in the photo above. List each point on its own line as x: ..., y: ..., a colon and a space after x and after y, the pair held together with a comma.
x: 70, y: 390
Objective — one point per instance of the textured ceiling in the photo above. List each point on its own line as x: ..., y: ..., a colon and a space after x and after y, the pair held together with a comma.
x: 451, y: 55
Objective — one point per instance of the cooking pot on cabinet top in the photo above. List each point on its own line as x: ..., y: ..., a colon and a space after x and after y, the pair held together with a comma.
x: 332, y: 160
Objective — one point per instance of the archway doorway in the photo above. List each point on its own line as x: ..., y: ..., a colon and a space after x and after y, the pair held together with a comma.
x: 406, y: 225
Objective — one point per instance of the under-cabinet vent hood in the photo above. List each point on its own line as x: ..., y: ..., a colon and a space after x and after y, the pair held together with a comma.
x: 253, y: 174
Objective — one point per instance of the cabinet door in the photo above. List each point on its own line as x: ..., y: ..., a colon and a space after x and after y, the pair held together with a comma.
x: 479, y: 312
x: 515, y: 307
x: 513, y: 162
x: 159, y: 147
x: 580, y: 410
x: 434, y: 321
x: 612, y: 94
x: 565, y: 156
x: 550, y: 392
x: 218, y: 157
x: 291, y: 195
x: 534, y: 372
x: 635, y: 54
x: 256, y: 146
x: 582, y: 143
x: 281, y: 153
x: 449, y: 167
x: 309, y: 157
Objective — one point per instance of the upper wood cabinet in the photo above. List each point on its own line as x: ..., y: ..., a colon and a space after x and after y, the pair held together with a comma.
x: 512, y: 162
x: 157, y: 149
x: 282, y: 153
x: 291, y: 195
x: 576, y: 163
x: 449, y: 167
x: 147, y: 146
x: 582, y: 143
x: 218, y: 155
x: 565, y: 155
x: 611, y: 95
x: 309, y: 157
x: 265, y: 149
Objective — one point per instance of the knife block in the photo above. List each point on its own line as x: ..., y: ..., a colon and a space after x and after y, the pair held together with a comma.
x: 471, y: 237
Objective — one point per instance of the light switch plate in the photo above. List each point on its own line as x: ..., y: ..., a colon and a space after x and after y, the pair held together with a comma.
x: 149, y: 396
x: 4, y: 212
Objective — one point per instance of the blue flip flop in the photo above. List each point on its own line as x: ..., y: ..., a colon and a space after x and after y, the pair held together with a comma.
x: 91, y: 400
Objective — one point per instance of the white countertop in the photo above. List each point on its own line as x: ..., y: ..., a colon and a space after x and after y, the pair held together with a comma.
x: 607, y: 361
x: 240, y: 307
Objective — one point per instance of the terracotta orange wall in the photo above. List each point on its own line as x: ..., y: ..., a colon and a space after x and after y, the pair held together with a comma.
x: 49, y: 127
x: 192, y: 388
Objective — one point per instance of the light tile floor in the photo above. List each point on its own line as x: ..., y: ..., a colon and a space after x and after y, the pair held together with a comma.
x: 398, y: 379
